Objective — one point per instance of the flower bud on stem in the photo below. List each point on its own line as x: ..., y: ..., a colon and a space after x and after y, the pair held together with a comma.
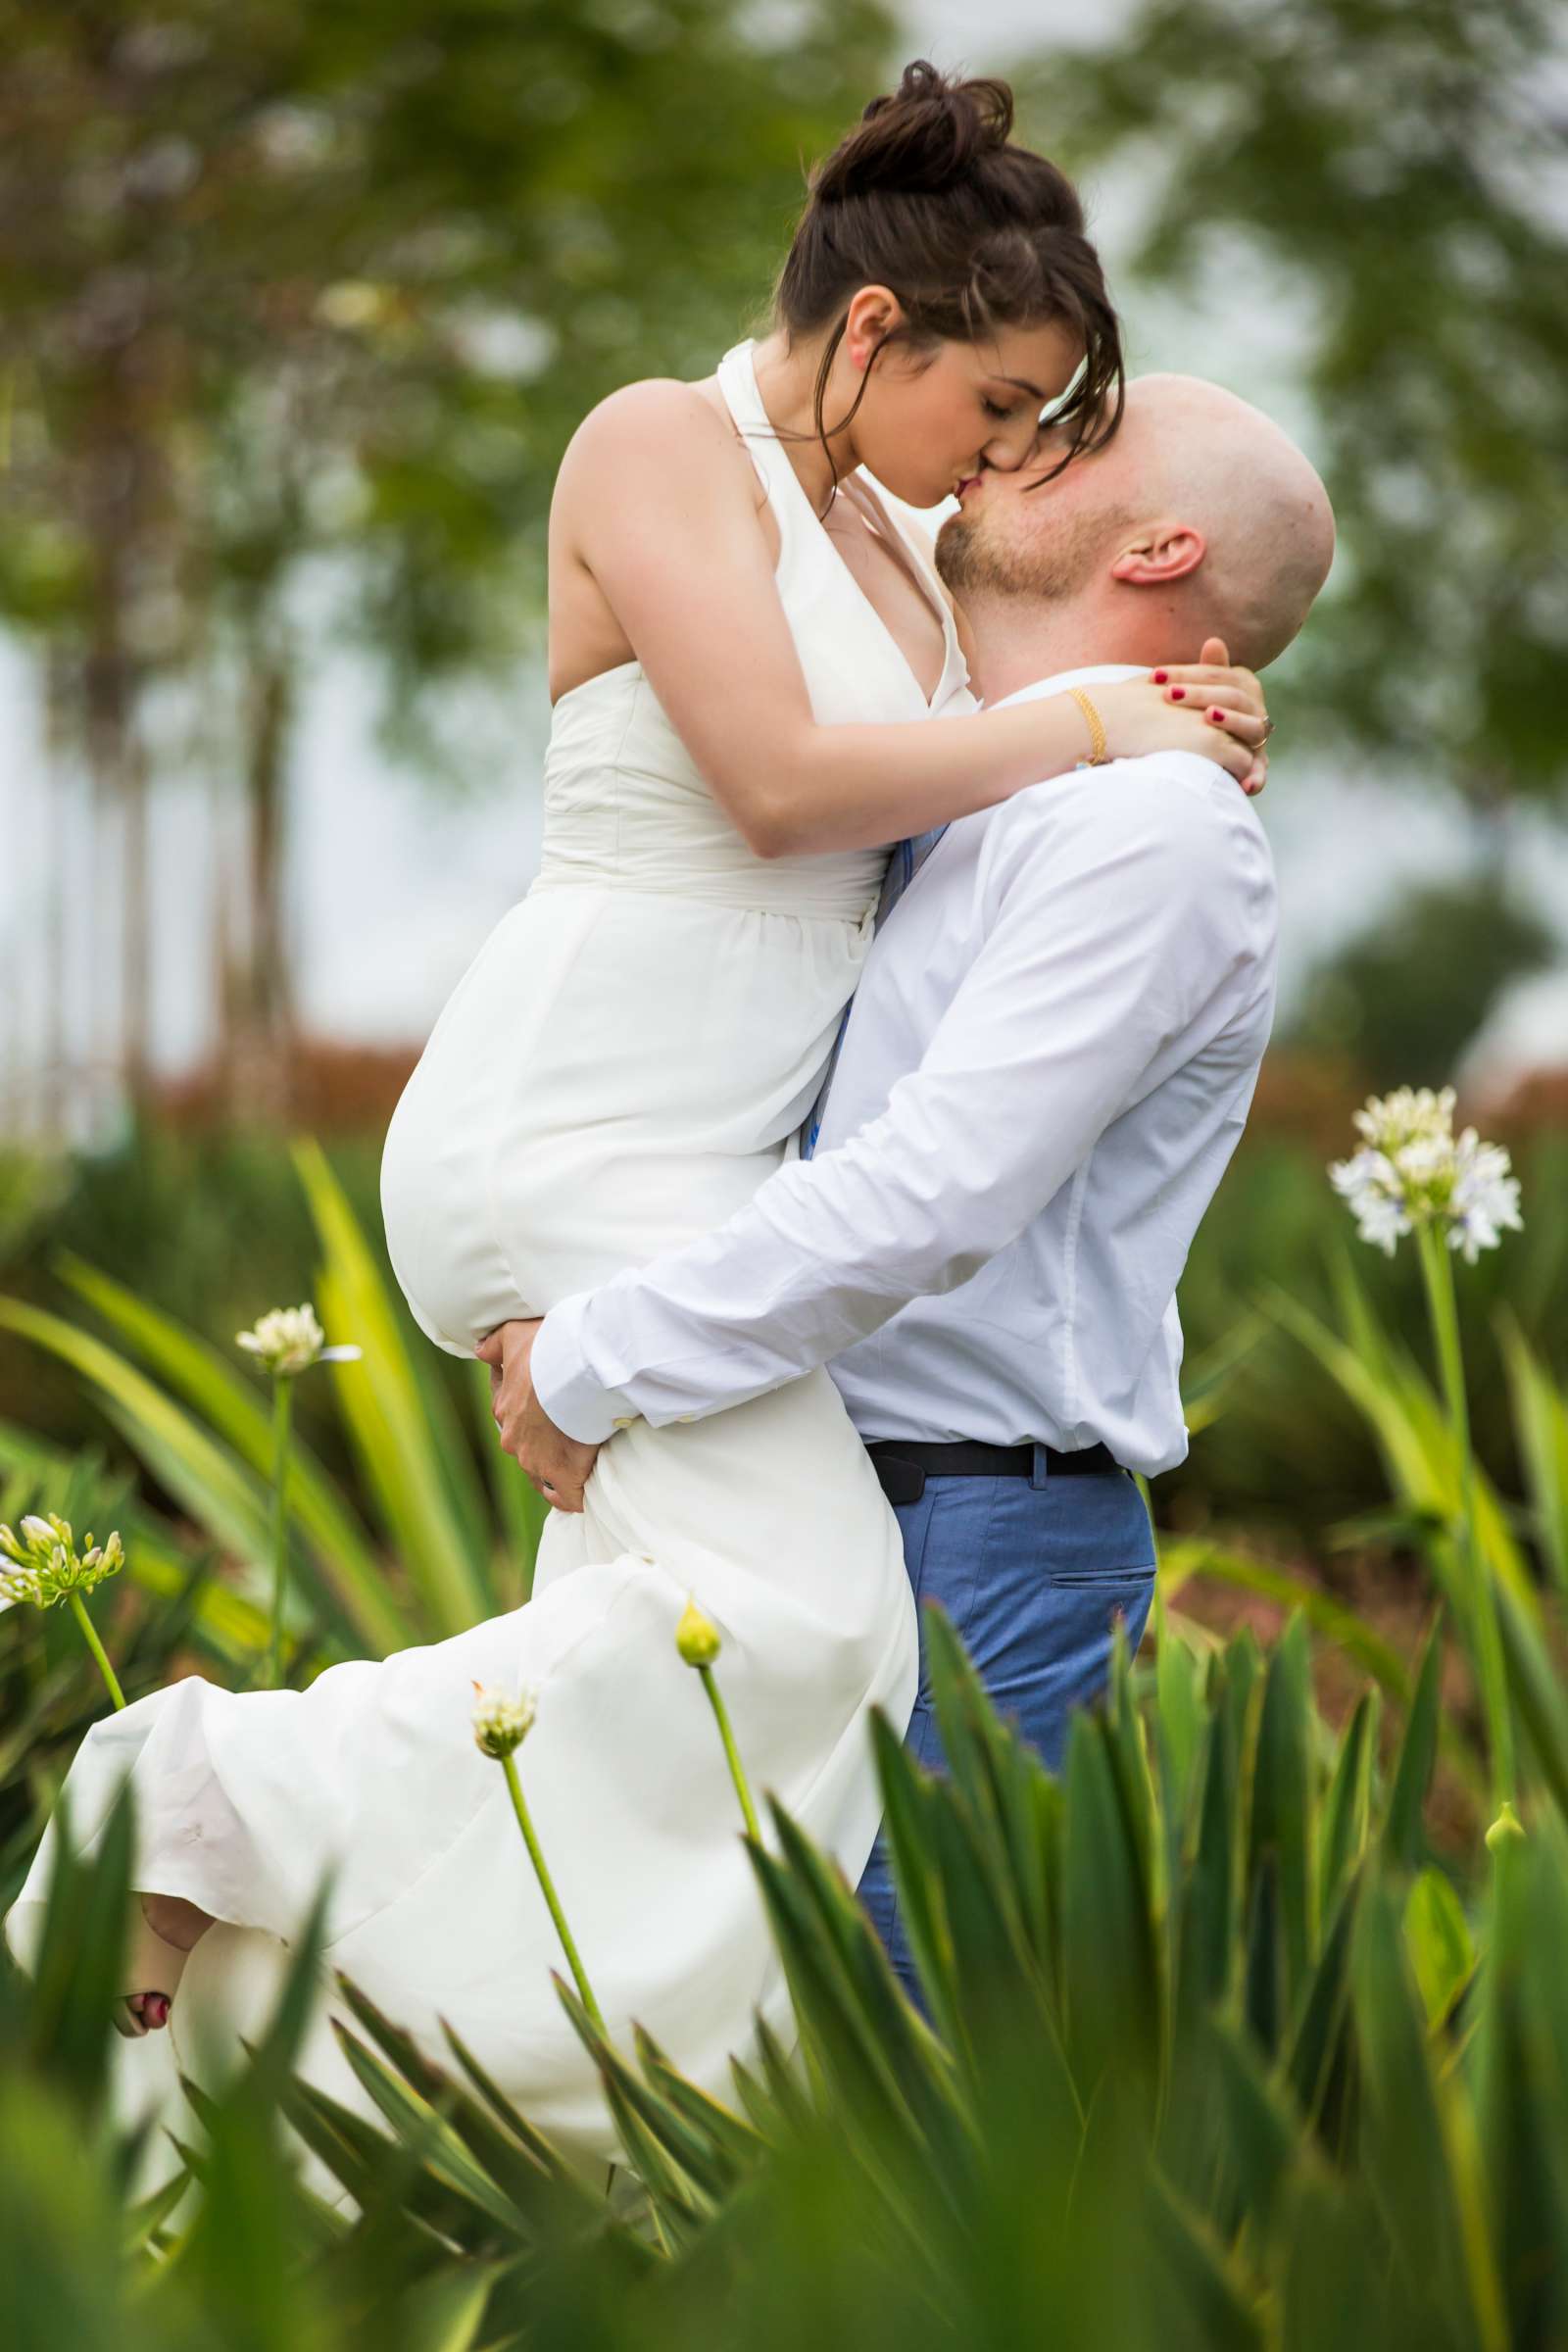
x: 43, y: 1566
x: 697, y: 1641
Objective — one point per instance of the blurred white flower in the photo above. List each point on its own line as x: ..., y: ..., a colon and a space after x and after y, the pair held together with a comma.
x: 1414, y: 1171
x: 1406, y: 1117
x: 1370, y: 1183
x: 289, y: 1340
x: 501, y: 1723
x: 1483, y: 1199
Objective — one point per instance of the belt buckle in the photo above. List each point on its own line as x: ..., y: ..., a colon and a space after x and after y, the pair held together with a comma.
x: 901, y: 1481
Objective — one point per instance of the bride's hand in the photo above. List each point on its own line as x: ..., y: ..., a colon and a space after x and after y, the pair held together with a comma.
x: 557, y: 1465
x: 1207, y: 706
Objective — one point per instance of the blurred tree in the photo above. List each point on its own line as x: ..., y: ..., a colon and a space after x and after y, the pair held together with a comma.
x: 1406, y: 997
x: 1402, y: 168
x: 284, y: 280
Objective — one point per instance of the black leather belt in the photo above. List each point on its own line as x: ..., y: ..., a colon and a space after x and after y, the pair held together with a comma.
x: 903, y: 1464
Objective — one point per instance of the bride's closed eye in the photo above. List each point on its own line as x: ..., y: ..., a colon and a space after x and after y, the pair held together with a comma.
x: 992, y: 408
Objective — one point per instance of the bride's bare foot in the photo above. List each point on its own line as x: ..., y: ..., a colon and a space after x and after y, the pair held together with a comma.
x: 161, y: 1941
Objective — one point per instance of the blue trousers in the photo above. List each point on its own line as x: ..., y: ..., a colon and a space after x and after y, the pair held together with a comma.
x: 1032, y: 1571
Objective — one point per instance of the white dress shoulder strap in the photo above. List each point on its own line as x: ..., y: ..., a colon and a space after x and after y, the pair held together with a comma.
x: 737, y: 380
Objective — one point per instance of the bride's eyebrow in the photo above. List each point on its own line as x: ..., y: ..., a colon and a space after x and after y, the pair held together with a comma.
x: 1019, y: 384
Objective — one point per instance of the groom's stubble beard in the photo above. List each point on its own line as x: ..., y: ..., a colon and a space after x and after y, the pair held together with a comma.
x: 975, y: 558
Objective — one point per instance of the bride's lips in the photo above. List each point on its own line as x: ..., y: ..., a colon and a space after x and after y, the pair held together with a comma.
x: 968, y: 483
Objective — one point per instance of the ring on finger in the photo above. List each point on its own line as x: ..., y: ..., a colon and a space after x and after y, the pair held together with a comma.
x: 1268, y: 728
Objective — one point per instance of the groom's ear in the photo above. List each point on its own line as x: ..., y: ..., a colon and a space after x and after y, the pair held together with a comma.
x: 1164, y: 552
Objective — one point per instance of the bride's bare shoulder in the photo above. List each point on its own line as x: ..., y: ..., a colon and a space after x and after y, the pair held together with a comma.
x: 657, y: 431
x: 661, y: 421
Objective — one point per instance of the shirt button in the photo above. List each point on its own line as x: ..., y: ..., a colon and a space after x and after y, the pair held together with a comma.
x: 623, y: 1421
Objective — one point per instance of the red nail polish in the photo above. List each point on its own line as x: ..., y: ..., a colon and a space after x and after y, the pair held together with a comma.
x: 1161, y: 676
x: 158, y: 2010
x: 1218, y: 717
x: 1178, y: 694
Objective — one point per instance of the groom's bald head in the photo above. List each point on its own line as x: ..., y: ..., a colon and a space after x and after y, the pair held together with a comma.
x: 1198, y: 517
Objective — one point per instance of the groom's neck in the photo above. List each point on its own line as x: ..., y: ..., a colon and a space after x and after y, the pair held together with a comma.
x: 1019, y: 639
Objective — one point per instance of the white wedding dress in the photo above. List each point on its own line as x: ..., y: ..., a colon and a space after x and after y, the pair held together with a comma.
x: 624, y: 1062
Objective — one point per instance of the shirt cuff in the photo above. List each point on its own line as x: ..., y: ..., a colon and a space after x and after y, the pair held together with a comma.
x: 578, y: 1404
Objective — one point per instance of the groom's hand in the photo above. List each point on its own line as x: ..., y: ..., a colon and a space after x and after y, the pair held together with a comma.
x: 557, y: 1465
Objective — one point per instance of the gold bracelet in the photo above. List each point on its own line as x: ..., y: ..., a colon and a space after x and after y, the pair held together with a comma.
x: 1097, y: 753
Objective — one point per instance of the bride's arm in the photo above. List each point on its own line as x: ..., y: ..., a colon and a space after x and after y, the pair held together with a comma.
x: 666, y: 522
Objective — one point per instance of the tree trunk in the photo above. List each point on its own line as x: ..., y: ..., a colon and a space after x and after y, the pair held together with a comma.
x: 260, y: 995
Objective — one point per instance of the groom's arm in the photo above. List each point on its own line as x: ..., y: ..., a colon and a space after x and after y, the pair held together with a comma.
x: 1129, y: 917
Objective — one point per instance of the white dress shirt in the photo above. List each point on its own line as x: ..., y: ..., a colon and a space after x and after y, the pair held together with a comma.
x: 1049, y: 1062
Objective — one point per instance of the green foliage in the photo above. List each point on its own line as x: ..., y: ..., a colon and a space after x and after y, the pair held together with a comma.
x: 216, y: 1228
x: 211, y: 1223
x: 1215, y: 2056
x: 327, y: 279
x: 169, y: 1606
x: 199, y: 1422
x: 1423, y: 1461
x: 1281, y: 1446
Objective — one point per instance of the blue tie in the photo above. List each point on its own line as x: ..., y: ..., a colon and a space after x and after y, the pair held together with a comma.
x: 903, y: 864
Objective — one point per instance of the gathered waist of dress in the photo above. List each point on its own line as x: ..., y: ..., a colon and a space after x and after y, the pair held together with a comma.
x: 778, y: 886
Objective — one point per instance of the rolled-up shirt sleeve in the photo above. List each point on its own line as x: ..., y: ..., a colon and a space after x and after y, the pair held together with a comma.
x: 1118, y: 921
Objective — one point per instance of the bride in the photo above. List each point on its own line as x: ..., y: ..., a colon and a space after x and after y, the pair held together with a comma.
x: 748, y: 652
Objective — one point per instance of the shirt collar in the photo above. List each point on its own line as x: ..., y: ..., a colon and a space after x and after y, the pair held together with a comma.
x: 1101, y: 673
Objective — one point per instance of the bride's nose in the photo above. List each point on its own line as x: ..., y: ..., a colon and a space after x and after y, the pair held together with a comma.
x: 1008, y: 451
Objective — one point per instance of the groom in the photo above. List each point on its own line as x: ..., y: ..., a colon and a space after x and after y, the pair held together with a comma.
x: 1048, y: 1064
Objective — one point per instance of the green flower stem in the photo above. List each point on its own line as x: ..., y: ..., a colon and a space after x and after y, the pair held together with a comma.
x: 731, y: 1751
x: 509, y: 1765
x: 282, y: 1405
x: 1436, y: 1270
x: 90, y: 1635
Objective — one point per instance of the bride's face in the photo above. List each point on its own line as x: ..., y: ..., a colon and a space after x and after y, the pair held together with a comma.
x: 933, y: 418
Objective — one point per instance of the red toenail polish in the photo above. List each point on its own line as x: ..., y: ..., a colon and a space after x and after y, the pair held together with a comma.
x: 1161, y: 676
x: 1178, y: 694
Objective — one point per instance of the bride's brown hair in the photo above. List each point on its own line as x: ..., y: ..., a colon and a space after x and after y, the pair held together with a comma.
x: 929, y: 197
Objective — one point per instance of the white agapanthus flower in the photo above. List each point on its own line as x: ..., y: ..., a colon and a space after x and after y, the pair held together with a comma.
x: 1410, y: 1115
x: 289, y: 1340
x: 1484, y: 1198
x: 1414, y: 1171
x: 502, y: 1720
x: 42, y: 1564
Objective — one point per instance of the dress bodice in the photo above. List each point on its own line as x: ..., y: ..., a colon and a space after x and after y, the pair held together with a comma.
x: 625, y: 805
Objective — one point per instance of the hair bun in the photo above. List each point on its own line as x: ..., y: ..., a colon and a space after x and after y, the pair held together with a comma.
x: 929, y: 132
